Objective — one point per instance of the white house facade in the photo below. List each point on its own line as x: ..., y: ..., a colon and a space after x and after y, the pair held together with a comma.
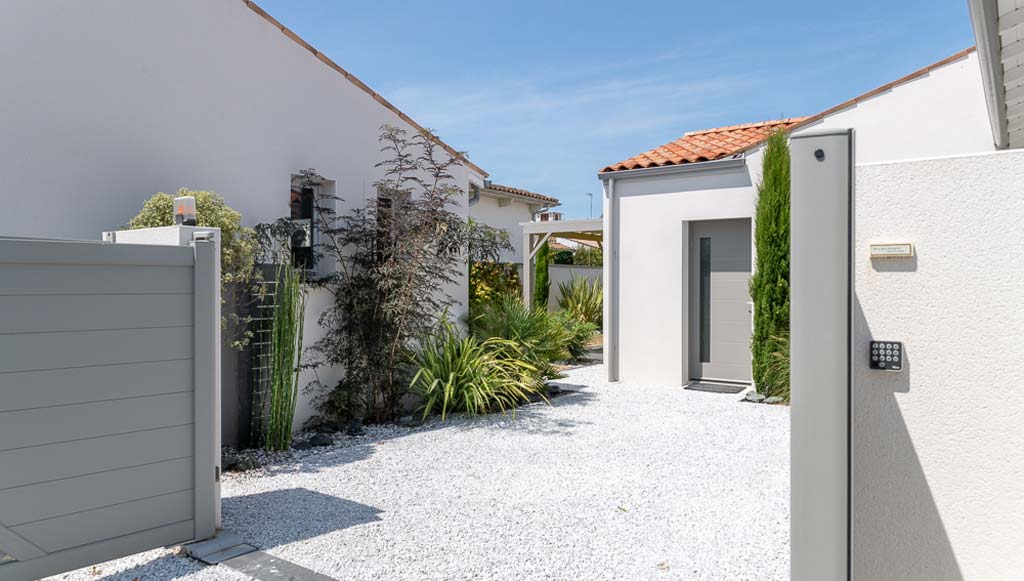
x: 660, y: 204
x: 506, y: 208
x: 120, y: 100
x: 927, y: 465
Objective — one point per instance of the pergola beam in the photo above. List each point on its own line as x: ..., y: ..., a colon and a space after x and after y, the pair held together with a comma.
x: 535, y: 234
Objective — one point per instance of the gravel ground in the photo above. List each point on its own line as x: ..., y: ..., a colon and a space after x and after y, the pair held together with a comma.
x: 617, y: 481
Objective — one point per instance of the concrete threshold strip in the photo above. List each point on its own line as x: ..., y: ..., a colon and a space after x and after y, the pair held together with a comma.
x: 230, y: 550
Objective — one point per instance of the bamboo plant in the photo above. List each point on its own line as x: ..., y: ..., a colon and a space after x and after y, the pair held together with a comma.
x: 285, y: 354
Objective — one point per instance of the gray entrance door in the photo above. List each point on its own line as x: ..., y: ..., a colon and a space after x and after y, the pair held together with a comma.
x: 106, y: 401
x: 720, y: 311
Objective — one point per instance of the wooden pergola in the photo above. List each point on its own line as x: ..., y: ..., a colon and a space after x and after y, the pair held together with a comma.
x: 535, y: 234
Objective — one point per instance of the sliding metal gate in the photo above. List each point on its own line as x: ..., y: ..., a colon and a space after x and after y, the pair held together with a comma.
x: 107, y: 386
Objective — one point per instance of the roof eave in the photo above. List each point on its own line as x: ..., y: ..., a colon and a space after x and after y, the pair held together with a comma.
x: 985, y: 19
x: 731, y: 162
x: 252, y: 5
x: 546, y: 202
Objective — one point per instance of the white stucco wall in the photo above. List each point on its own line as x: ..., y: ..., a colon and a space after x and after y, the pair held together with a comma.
x: 939, y: 448
x: 108, y: 102
x: 508, y: 218
x: 651, y: 256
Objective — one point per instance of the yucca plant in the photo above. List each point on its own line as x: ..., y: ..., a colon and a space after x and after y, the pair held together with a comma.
x: 578, y: 332
x: 775, y: 381
x: 457, y: 373
x: 537, y: 333
x: 285, y: 354
x: 583, y: 298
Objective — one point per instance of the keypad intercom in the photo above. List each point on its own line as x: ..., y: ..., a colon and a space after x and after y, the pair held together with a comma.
x: 887, y: 355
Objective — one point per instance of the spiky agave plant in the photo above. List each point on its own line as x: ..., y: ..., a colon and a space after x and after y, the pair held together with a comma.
x: 285, y: 353
x: 582, y: 298
x: 457, y: 373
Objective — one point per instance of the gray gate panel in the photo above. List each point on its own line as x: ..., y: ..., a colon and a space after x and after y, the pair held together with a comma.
x: 50, y: 387
x: 98, y: 552
x: 21, y: 251
x: 69, y: 459
x: 48, y: 313
x: 51, y: 425
x: 108, y: 371
x: 21, y: 279
x: 30, y: 352
x: 35, y: 502
x: 82, y: 528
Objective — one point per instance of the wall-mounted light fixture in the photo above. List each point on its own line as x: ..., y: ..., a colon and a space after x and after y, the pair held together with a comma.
x: 185, y: 211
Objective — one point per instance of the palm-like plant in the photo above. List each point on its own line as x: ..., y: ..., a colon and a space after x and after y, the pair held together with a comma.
x: 457, y: 373
x: 538, y: 334
x: 583, y: 298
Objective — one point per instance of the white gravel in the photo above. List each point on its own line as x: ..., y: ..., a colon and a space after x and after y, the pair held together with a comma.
x: 617, y: 481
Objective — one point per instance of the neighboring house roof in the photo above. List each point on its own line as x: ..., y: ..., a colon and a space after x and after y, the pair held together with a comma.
x: 705, y: 145
x: 363, y: 86
x: 721, y: 142
x: 548, y: 200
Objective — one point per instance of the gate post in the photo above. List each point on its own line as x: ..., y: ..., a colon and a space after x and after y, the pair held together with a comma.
x: 821, y: 279
x: 206, y: 326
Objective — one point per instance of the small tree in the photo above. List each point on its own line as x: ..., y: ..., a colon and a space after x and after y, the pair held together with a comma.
x: 396, y: 257
x: 769, y: 286
x: 238, y: 245
x: 542, y: 282
x: 587, y: 256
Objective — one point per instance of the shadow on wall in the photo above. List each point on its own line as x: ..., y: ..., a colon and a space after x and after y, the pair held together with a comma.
x: 898, y: 532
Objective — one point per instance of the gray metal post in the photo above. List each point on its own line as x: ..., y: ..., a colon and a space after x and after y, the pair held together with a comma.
x: 821, y: 279
x: 206, y: 326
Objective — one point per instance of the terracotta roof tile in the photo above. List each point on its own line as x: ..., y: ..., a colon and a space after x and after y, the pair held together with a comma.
x: 524, y: 193
x: 706, y: 145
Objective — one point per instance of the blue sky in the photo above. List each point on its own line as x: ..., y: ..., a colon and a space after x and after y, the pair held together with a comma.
x: 543, y: 93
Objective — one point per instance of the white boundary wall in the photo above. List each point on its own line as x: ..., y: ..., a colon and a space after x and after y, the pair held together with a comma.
x: 563, y: 273
x: 938, y: 448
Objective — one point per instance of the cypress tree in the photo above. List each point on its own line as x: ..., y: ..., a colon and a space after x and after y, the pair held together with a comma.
x: 769, y: 286
x: 542, y: 284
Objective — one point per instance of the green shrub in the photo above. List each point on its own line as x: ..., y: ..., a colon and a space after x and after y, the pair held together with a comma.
x: 579, y: 333
x: 489, y: 281
x: 562, y: 257
x: 541, y: 282
x: 466, y: 374
x: 775, y: 380
x: 587, y: 256
x: 582, y: 298
x: 769, y: 286
x: 540, y: 336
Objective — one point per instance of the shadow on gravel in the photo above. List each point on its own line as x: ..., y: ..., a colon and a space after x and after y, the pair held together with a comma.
x: 278, y: 517
x: 531, y: 418
x: 181, y: 565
